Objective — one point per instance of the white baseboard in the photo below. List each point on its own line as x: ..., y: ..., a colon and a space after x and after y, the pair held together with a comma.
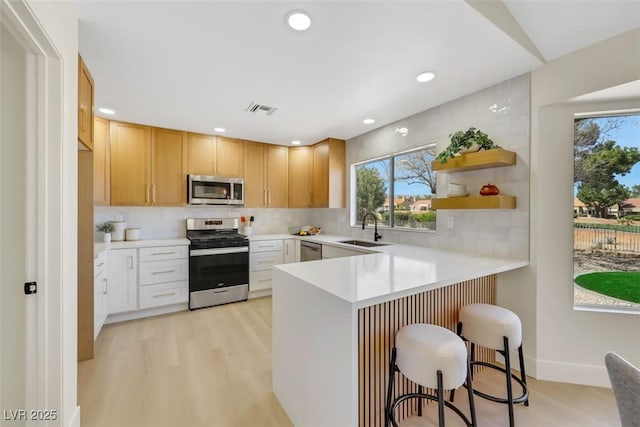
x: 138, y: 314
x: 574, y: 373
x: 75, y: 418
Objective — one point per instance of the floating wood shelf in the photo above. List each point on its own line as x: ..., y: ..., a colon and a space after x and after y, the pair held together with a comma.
x: 479, y: 160
x: 475, y: 202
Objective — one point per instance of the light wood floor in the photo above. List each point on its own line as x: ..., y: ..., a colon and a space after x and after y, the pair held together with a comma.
x: 212, y: 367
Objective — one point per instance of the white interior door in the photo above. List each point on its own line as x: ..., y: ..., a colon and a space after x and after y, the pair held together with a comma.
x: 13, y: 223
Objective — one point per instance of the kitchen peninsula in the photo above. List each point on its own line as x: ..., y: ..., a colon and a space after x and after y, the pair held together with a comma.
x: 334, y: 323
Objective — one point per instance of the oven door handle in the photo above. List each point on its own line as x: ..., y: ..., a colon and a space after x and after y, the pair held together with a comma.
x: 218, y: 251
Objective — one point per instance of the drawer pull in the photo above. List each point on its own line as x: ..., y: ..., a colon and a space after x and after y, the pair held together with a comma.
x: 101, y: 264
x: 264, y: 280
x: 164, y: 295
x: 164, y: 272
x: 163, y: 253
x: 267, y: 261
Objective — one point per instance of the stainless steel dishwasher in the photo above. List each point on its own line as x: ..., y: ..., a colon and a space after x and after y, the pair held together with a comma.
x: 310, y: 251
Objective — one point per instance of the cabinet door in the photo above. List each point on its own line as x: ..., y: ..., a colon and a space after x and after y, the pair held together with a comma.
x: 168, y: 175
x: 85, y: 105
x: 130, y: 164
x: 255, y: 195
x: 277, y: 176
x: 290, y: 254
x: 99, y: 306
x: 320, y: 193
x: 101, y: 162
x: 122, y: 279
x: 300, y: 176
x: 201, y: 154
x: 229, y: 161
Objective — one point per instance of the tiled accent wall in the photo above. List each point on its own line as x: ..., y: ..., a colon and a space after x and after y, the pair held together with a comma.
x: 169, y: 222
x: 502, y: 111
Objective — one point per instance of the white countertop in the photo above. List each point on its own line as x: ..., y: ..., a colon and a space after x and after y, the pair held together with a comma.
x: 392, y: 271
x: 99, y: 247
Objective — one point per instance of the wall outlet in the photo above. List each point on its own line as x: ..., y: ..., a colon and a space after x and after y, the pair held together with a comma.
x: 450, y: 223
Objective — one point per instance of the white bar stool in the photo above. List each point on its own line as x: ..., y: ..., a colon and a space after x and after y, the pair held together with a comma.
x: 433, y: 357
x: 499, y: 329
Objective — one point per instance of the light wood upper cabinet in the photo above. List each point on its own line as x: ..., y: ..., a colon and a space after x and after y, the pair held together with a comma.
x: 300, y: 176
x: 85, y: 105
x: 130, y: 164
x: 329, y: 169
x: 266, y: 175
x: 255, y: 193
x: 101, y: 162
x: 216, y: 156
x: 168, y: 165
x: 201, y: 151
x: 229, y: 157
x: 277, y: 171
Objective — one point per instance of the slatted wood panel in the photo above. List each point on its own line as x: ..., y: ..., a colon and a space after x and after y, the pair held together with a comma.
x: 378, y: 325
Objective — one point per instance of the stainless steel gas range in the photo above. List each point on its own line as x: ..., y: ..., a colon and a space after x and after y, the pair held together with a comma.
x: 218, y: 262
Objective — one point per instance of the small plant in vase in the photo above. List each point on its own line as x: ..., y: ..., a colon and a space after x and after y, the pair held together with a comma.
x: 107, y: 229
x: 461, y: 142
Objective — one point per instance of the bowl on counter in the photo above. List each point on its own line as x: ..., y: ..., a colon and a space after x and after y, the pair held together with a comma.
x: 306, y: 230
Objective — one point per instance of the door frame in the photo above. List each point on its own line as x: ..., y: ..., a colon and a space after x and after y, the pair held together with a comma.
x: 44, y: 183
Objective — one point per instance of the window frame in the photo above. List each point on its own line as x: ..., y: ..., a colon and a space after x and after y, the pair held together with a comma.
x: 391, y: 191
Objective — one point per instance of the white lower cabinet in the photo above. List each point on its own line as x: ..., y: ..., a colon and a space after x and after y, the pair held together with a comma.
x: 263, y: 255
x: 100, y: 292
x: 144, y: 278
x: 122, y: 279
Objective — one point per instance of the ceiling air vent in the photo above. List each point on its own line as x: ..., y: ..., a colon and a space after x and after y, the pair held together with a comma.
x: 265, y: 110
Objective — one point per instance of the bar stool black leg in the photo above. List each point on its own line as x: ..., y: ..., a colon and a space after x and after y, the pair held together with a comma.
x: 472, y: 406
x: 472, y: 356
x: 440, y: 401
x: 420, y: 389
x: 523, y: 375
x: 392, y: 371
x: 507, y: 365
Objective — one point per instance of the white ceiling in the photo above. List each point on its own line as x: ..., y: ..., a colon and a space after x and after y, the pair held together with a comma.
x: 198, y: 65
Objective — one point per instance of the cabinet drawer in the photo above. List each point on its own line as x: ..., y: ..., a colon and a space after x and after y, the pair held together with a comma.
x: 164, y: 294
x: 163, y: 252
x: 265, y: 246
x: 100, y: 263
x: 265, y: 260
x: 259, y: 280
x: 164, y: 271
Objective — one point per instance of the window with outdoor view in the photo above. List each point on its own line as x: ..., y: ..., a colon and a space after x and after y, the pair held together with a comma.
x: 606, y: 211
x: 397, y: 189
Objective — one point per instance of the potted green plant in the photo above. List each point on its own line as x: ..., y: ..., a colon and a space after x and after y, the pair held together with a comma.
x: 462, y: 141
x: 106, y: 228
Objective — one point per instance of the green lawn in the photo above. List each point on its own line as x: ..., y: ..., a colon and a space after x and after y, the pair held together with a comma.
x: 623, y: 285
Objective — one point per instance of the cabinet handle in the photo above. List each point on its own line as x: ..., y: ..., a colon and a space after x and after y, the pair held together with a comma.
x: 164, y: 295
x: 164, y: 272
x: 153, y: 193
x: 286, y: 249
x: 130, y: 258
x: 104, y: 287
x: 83, y: 121
x: 264, y: 280
x: 147, y: 189
x: 163, y: 253
x: 101, y: 264
x: 269, y: 198
x: 264, y: 197
x: 267, y: 261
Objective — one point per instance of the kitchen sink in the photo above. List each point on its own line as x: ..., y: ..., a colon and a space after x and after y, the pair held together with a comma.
x: 363, y: 243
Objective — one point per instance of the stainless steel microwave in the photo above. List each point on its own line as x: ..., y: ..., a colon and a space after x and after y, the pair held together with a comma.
x: 215, y: 190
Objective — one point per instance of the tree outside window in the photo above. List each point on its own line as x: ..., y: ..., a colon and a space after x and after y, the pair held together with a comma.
x: 398, y: 189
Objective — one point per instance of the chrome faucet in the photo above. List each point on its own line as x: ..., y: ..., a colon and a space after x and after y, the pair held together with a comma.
x: 376, y: 236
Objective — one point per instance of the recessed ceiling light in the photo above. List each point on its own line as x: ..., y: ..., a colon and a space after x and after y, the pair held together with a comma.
x: 368, y: 121
x: 298, y: 20
x: 295, y: 142
x: 108, y: 111
x: 426, y: 76
x: 221, y: 130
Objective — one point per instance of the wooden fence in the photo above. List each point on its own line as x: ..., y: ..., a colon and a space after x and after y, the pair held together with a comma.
x: 590, y: 237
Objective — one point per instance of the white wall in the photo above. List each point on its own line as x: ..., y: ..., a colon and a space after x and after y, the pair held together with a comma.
x: 570, y: 345
x: 503, y: 233
x: 60, y: 22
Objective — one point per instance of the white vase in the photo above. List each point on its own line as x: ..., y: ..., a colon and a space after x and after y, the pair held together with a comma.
x: 474, y: 147
x: 107, y: 237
